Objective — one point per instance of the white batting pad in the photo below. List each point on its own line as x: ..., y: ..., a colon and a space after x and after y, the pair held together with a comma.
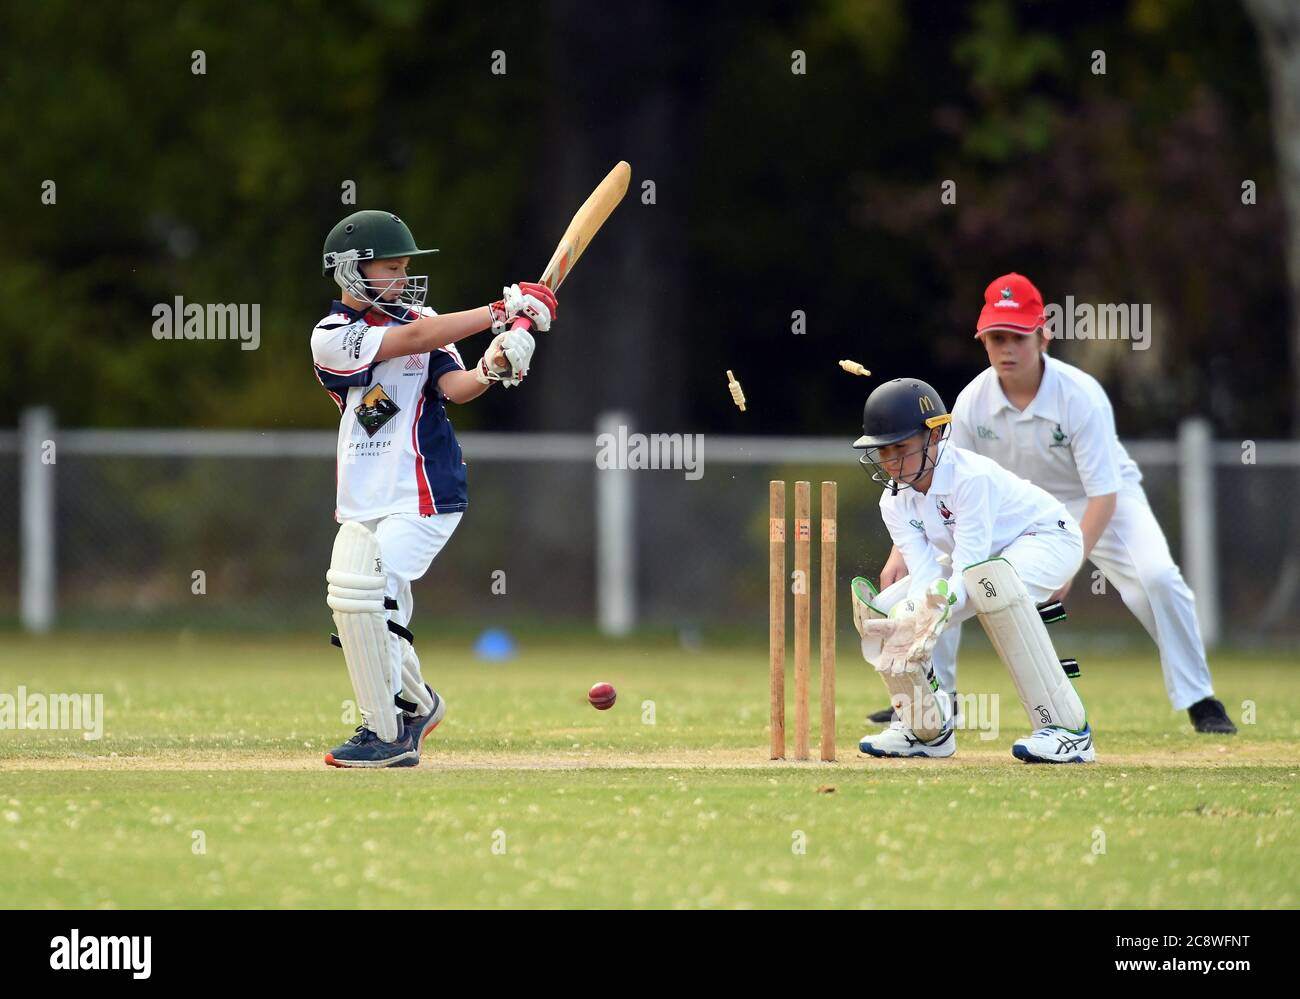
x: 356, y: 596
x: 413, y: 688
x: 1017, y: 632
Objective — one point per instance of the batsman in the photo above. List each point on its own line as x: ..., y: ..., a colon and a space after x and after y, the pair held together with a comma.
x: 979, y: 541
x: 391, y: 366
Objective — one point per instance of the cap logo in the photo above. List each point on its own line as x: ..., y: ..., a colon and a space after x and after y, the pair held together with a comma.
x: 926, y: 405
x: 1006, y: 292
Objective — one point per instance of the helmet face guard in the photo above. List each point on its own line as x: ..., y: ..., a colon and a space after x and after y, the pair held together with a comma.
x: 372, y: 291
x: 872, y: 465
x: 373, y: 235
x: 896, y: 412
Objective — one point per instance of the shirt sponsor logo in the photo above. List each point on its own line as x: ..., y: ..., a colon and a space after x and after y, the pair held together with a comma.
x: 987, y: 434
x: 352, y: 337
x: 366, y: 449
x: 375, y: 410
x: 917, y: 524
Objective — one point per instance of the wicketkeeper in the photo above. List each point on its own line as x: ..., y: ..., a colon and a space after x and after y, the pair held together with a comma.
x: 390, y: 365
x: 978, y: 541
x: 1052, y: 423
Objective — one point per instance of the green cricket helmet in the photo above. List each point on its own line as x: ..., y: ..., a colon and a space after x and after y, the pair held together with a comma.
x: 896, y: 411
x: 373, y: 235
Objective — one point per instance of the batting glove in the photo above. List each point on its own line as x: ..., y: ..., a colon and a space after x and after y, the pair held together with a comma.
x: 507, y: 358
x: 534, y: 302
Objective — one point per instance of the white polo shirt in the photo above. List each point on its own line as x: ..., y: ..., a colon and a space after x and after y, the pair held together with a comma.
x: 974, y: 509
x: 1063, y: 441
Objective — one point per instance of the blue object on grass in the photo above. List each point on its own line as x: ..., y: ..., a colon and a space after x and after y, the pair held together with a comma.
x: 494, y: 645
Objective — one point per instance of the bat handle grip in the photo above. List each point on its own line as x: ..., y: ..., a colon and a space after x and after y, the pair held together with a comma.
x: 521, y: 323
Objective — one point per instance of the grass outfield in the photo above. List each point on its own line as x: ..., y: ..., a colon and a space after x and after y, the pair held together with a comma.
x: 208, y: 790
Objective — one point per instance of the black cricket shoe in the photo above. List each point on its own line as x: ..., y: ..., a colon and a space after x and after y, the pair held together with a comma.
x: 1211, y: 717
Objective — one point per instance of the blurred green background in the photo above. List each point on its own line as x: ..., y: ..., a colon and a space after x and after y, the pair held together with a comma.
x: 773, y: 192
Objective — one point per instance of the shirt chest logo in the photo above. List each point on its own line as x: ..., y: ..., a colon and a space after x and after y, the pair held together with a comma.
x: 1059, y: 438
x: 375, y: 410
x: 946, y: 514
x: 917, y: 524
x: 414, y: 363
x: 986, y: 434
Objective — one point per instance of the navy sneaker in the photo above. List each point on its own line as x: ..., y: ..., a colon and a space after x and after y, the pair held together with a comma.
x: 421, y: 727
x: 365, y: 749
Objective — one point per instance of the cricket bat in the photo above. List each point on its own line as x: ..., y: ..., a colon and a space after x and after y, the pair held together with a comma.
x: 585, y: 224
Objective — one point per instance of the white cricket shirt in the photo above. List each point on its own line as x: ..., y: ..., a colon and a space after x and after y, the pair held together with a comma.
x: 1063, y: 441
x: 974, y: 509
x: 397, y: 452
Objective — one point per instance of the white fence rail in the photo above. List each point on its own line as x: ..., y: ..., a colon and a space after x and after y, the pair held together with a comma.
x: 1194, y: 454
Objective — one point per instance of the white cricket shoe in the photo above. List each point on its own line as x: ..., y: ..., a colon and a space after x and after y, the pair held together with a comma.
x: 1055, y: 744
x: 899, y: 740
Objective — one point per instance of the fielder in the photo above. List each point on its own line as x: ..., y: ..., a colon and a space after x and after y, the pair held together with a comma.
x: 390, y: 364
x: 980, y: 541
x: 1052, y: 424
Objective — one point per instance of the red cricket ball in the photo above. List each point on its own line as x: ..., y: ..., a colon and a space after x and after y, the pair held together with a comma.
x: 602, y: 696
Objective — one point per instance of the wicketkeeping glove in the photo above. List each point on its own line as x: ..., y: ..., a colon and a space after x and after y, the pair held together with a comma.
x: 931, y: 619
x: 897, y: 635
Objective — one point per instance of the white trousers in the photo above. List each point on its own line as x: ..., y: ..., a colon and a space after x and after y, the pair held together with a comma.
x: 1133, y: 555
x: 1044, y: 562
x: 408, y: 544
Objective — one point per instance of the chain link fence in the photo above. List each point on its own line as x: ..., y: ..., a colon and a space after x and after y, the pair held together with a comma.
x: 234, y: 530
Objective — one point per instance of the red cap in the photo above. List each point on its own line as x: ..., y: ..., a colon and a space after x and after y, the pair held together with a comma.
x: 1011, y: 303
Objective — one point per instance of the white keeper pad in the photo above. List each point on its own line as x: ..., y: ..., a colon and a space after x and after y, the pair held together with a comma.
x: 1017, y: 632
x: 356, y: 596
x: 912, y: 690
